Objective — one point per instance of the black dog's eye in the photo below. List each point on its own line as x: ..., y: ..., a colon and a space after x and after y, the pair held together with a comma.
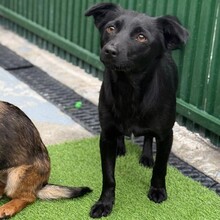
x: 141, y: 38
x: 110, y: 29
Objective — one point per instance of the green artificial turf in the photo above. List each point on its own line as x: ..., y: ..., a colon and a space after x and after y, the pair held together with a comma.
x: 78, y: 163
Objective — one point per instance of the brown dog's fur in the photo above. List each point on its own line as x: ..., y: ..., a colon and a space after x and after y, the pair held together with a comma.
x: 25, y: 164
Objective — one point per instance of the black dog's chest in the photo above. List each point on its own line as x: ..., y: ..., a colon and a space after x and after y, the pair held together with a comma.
x: 126, y: 100
x: 128, y: 128
x: 132, y: 124
x: 127, y: 109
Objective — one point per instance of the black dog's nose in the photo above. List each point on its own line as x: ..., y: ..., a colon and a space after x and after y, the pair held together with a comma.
x: 111, y: 51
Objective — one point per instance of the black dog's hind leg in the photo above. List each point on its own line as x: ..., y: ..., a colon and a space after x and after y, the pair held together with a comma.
x: 157, y: 191
x: 121, y: 150
x: 108, y: 148
x: 146, y: 158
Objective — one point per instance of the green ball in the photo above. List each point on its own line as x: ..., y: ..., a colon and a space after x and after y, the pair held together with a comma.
x: 78, y: 104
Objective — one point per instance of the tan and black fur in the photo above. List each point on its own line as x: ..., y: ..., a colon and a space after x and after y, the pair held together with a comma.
x: 25, y: 164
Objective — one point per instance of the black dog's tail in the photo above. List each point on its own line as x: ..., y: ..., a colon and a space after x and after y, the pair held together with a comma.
x: 51, y: 191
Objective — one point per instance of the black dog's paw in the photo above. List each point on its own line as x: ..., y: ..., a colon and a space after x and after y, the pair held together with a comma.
x: 101, y: 209
x: 146, y: 161
x: 157, y: 195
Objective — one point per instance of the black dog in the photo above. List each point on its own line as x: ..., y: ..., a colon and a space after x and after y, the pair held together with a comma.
x: 138, y: 94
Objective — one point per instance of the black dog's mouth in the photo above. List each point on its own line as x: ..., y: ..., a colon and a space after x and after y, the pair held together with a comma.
x: 121, y: 68
x: 124, y: 67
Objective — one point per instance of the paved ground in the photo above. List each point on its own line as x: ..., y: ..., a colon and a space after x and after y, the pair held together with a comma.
x: 56, y: 127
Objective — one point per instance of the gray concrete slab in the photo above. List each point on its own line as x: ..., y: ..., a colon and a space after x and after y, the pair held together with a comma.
x: 54, y: 126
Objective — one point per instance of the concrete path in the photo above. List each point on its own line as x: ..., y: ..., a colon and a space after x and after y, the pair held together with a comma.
x: 55, y: 126
x: 190, y: 147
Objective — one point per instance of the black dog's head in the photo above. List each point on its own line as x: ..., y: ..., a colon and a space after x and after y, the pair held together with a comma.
x: 131, y: 40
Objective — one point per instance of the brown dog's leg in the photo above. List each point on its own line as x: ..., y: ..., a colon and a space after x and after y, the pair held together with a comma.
x: 22, y: 185
x: 14, y: 206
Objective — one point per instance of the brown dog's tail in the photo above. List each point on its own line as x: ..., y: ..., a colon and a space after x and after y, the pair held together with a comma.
x: 51, y: 191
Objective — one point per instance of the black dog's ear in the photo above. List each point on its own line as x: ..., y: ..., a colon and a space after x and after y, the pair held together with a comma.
x: 175, y: 34
x: 103, y: 12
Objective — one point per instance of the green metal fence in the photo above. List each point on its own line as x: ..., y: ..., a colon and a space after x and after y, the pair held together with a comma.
x: 60, y: 27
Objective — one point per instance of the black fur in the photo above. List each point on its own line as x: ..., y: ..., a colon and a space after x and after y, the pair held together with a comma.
x: 138, y: 93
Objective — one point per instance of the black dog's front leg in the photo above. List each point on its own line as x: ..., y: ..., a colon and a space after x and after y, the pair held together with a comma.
x: 108, y: 147
x: 157, y: 191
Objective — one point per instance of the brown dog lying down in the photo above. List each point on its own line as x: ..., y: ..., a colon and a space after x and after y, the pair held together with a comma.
x: 25, y: 164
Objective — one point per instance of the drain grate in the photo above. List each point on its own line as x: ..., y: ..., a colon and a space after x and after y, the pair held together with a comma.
x: 10, y: 60
x: 65, y: 98
x: 61, y: 96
